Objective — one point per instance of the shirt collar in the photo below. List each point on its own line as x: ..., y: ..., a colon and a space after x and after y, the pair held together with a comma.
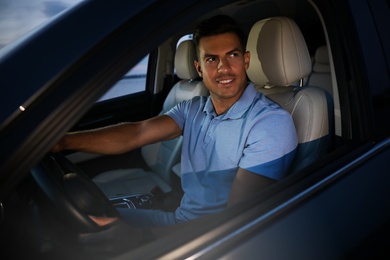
x: 238, y: 108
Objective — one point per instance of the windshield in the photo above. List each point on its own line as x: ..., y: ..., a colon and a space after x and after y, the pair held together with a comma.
x: 18, y: 17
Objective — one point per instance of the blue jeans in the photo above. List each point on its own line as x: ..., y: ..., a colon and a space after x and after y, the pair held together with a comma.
x: 147, y: 218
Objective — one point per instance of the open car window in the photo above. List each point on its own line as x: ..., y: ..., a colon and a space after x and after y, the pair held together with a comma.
x: 133, y: 82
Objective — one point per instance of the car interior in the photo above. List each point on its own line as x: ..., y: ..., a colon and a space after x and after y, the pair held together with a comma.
x: 291, y: 63
x: 300, y: 82
x: 160, y: 157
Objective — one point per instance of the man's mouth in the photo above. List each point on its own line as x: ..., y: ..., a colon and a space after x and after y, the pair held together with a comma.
x: 225, y: 81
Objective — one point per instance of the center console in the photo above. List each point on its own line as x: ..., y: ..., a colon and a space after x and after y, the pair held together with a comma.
x: 137, y: 201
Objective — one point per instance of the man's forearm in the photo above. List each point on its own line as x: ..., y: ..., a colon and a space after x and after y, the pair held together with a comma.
x: 122, y: 137
x: 246, y: 185
x: 108, y: 140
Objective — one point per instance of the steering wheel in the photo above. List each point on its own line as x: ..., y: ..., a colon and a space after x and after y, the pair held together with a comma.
x: 70, y: 193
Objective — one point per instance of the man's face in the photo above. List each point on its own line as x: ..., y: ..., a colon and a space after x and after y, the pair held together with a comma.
x: 222, y: 65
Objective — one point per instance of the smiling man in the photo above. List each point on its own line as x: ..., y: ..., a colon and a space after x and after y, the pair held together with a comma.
x: 238, y: 142
x: 235, y: 142
x: 223, y: 69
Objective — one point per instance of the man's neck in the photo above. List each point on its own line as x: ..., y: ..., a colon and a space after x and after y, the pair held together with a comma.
x: 222, y: 105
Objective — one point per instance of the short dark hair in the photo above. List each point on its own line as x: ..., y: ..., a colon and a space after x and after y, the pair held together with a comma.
x: 215, y: 25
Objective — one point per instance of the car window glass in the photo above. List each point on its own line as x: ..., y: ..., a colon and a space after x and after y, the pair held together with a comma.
x: 381, y: 92
x: 133, y: 81
x: 18, y: 17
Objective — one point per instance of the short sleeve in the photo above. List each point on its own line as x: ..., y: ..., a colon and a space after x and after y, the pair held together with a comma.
x: 178, y: 113
x: 186, y: 109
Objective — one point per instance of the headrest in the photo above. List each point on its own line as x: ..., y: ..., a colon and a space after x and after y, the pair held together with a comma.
x: 321, y: 60
x: 279, y: 55
x: 184, y: 91
x: 184, y: 60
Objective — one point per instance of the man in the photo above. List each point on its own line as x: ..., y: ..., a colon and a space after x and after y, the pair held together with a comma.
x: 235, y: 142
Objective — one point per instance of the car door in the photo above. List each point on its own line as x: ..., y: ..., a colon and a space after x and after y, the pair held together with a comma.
x: 339, y: 210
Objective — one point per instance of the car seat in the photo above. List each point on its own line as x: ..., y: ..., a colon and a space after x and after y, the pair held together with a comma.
x: 279, y: 58
x: 161, y: 156
x: 321, y: 75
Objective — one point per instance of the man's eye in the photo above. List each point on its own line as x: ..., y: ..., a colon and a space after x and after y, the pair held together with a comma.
x: 211, y: 59
x: 234, y: 54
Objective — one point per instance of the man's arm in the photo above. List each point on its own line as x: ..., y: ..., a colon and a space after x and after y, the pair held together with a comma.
x: 120, y: 138
x: 246, y: 184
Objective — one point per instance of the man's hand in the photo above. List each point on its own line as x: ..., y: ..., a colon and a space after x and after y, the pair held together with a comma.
x: 59, y: 146
x: 103, y: 221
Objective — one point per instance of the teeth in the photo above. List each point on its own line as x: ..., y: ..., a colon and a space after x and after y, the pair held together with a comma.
x: 225, y: 81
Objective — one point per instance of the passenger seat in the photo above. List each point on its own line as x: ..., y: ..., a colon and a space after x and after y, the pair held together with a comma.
x: 279, y: 58
x: 321, y: 75
x: 161, y: 156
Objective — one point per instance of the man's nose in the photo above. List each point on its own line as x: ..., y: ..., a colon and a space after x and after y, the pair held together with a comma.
x: 223, y: 65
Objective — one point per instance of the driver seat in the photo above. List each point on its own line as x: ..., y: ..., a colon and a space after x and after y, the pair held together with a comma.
x: 162, y: 156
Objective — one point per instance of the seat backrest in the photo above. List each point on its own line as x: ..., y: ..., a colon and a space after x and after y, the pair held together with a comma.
x: 162, y: 156
x: 279, y: 58
x: 321, y: 74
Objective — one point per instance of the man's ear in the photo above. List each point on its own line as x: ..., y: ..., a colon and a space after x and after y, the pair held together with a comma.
x: 247, y: 59
x: 198, y: 68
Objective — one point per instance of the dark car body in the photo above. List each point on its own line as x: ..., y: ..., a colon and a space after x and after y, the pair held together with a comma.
x: 338, y: 207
